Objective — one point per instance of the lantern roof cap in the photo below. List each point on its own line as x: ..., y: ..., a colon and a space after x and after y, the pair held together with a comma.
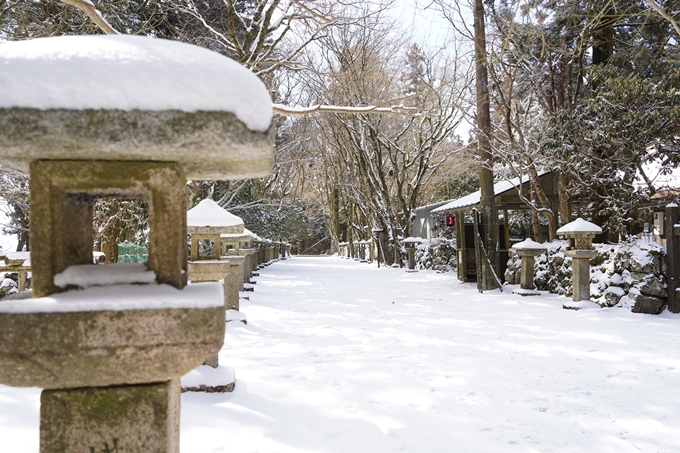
x: 579, y: 226
x: 529, y: 244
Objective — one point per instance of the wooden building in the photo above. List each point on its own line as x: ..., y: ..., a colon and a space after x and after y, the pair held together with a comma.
x: 507, y: 199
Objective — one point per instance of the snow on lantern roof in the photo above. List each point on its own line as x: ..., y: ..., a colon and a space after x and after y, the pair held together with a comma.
x: 529, y: 244
x: 413, y: 239
x: 122, y: 297
x: 247, y: 231
x: 88, y: 275
x: 207, y: 213
x: 133, y: 98
x: 579, y: 226
x: 125, y: 72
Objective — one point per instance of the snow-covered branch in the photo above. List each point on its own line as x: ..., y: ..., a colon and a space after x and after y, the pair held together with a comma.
x: 88, y: 8
x: 295, y: 111
x: 661, y: 12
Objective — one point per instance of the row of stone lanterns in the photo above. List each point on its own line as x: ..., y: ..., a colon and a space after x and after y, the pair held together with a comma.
x: 362, y: 251
x: 222, y: 249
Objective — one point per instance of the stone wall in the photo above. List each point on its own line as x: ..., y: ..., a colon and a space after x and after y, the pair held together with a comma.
x: 438, y: 254
x: 629, y: 275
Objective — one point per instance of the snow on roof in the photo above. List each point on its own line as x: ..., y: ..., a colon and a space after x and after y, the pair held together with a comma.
x: 122, y: 297
x: 125, y: 72
x: 88, y: 275
x: 412, y: 239
x: 579, y: 226
x: 209, y: 213
x: 529, y: 244
x: 474, y: 198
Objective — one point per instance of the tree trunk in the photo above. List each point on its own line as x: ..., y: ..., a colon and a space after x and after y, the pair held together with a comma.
x: 487, y: 204
x: 565, y: 205
x: 535, y: 224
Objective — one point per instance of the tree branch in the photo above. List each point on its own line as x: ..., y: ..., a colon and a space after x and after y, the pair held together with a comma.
x: 295, y: 111
x: 88, y: 8
x: 664, y: 14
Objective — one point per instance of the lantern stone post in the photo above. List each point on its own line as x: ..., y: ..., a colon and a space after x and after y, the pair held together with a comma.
x: 580, y: 234
x: 411, y: 243
x: 528, y: 250
x: 109, y: 355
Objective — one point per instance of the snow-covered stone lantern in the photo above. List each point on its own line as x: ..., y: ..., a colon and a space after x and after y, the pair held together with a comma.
x: 580, y: 234
x: 249, y: 251
x: 528, y: 250
x: 411, y: 244
x: 363, y: 248
x: 92, y: 117
x: 208, y: 222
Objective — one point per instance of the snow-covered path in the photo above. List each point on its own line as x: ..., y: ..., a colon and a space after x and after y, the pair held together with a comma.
x: 340, y: 356
x: 343, y: 357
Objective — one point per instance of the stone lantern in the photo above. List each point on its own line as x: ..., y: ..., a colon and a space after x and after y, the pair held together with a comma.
x: 207, y: 222
x: 90, y: 117
x: 580, y: 234
x: 247, y: 250
x: 411, y: 243
x: 342, y: 247
x: 362, y: 250
x: 528, y: 250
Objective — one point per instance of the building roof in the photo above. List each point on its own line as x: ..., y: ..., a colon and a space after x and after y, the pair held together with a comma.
x: 499, y: 188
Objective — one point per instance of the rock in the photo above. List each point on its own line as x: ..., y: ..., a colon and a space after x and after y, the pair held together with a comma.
x: 649, y: 305
x: 653, y: 286
x: 616, y: 280
x: 653, y: 266
x: 613, y: 295
x: 638, y: 276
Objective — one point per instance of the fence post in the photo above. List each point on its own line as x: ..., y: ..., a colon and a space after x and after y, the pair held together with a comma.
x: 673, y: 256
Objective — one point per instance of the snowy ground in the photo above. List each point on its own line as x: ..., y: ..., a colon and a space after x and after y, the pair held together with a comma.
x: 339, y: 356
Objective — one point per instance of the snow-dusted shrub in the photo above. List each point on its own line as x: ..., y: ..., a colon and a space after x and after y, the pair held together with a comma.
x: 8, y: 286
x: 438, y: 254
x: 628, y: 275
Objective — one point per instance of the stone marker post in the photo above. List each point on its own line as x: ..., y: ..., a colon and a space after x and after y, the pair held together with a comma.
x: 673, y: 256
x: 580, y: 234
x: 528, y: 250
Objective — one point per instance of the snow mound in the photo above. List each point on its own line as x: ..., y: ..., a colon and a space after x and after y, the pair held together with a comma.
x: 205, y: 377
x: 129, y: 73
x: 234, y: 315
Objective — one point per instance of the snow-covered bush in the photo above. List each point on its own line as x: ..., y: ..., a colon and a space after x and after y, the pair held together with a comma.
x: 8, y: 286
x: 628, y: 275
x: 438, y: 254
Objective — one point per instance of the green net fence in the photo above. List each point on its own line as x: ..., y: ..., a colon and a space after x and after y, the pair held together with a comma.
x: 129, y: 252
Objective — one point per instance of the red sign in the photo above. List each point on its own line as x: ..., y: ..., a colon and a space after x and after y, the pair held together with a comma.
x: 450, y: 220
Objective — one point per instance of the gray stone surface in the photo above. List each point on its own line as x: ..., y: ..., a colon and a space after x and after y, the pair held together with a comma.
x: 648, y: 305
x: 580, y: 273
x: 130, y: 419
x: 62, y: 205
x: 207, y: 145
x: 653, y: 286
x: 208, y: 271
x: 102, y: 348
